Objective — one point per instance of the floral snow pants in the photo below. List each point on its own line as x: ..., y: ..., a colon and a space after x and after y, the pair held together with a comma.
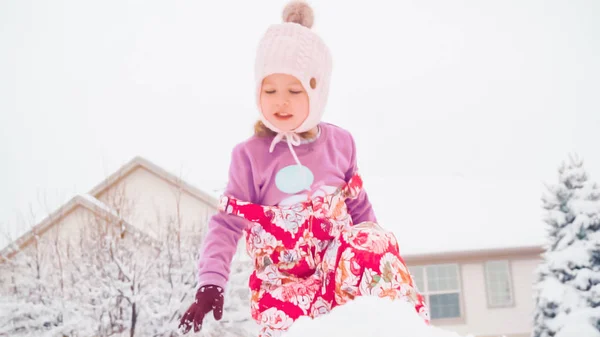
x: 309, y: 258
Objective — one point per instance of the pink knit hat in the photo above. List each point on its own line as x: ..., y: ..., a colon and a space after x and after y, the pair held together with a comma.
x: 293, y: 48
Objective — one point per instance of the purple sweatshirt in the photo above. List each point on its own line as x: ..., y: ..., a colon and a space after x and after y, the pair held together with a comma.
x: 331, y: 158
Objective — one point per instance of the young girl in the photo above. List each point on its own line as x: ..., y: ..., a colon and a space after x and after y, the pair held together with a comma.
x: 310, y: 228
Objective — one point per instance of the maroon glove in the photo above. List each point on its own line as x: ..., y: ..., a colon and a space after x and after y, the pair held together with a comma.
x: 207, y: 298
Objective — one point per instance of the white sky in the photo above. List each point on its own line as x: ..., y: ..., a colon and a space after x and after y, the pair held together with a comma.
x: 461, y: 109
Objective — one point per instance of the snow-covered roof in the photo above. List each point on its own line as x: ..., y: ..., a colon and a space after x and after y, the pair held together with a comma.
x: 138, y: 162
x: 92, y: 204
x: 90, y: 201
x: 98, y: 203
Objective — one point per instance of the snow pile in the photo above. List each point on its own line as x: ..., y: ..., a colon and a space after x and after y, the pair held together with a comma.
x: 368, y: 317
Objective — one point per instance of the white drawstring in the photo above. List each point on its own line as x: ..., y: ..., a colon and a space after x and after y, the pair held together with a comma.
x: 293, y: 139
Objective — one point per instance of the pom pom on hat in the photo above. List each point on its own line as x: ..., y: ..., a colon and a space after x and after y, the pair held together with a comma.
x: 299, y: 12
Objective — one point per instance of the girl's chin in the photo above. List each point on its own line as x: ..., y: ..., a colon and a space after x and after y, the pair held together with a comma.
x: 287, y: 125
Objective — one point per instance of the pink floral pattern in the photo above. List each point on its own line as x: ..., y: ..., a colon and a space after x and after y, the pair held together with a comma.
x: 310, y: 257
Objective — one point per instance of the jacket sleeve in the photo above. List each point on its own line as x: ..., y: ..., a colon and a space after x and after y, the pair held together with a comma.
x: 360, y: 208
x: 225, y: 230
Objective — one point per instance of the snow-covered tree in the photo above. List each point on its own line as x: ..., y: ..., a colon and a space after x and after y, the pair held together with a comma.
x: 30, y: 306
x: 568, y: 280
x: 113, y: 278
x: 172, y: 297
x: 36, y: 300
x: 91, y: 277
x: 176, y: 285
x: 237, y: 320
x: 174, y: 282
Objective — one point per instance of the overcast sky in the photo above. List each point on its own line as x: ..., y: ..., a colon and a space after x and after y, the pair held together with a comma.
x: 461, y: 109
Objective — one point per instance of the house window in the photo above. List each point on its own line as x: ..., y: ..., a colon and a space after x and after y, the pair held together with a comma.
x: 498, y: 283
x: 440, y: 285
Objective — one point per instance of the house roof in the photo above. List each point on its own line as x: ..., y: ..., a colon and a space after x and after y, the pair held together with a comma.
x: 86, y: 201
x: 428, y: 215
x: 474, y: 255
x: 90, y: 202
x: 138, y: 162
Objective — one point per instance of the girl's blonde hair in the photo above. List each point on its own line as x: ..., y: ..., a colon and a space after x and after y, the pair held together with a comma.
x: 261, y: 130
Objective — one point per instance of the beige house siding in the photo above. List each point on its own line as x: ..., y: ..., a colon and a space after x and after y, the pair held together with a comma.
x: 62, y: 234
x: 154, y: 199
x: 478, y: 317
x: 43, y: 251
x: 152, y: 204
x: 78, y: 216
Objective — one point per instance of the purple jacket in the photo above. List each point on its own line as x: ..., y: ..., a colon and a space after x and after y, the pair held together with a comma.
x: 331, y: 158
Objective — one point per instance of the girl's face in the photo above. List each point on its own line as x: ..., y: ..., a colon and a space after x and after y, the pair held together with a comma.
x: 283, y: 101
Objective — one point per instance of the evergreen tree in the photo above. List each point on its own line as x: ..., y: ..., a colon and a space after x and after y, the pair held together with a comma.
x: 568, y: 280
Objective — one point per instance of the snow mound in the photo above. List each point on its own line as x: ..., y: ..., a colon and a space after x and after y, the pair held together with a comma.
x: 368, y: 316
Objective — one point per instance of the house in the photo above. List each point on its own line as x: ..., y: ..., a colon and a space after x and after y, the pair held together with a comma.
x: 66, y: 225
x: 153, y: 199
x: 139, y: 198
x: 485, y: 291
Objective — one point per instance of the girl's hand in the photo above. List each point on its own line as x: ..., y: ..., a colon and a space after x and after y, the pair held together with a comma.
x: 207, y: 298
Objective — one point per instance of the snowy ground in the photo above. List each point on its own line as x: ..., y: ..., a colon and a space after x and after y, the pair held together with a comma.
x: 385, y: 318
